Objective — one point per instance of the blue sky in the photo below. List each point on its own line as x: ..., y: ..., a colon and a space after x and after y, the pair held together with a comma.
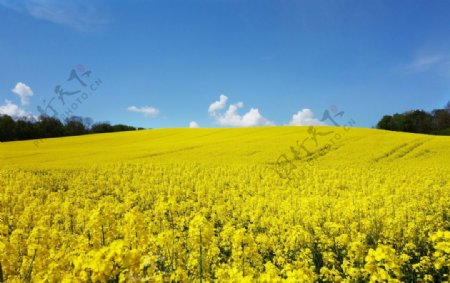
x: 224, y: 62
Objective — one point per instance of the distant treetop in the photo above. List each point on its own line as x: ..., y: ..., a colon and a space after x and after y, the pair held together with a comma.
x: 419, y: 121
x: 49, y: 127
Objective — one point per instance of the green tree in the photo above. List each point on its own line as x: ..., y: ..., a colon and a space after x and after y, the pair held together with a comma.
x: 103, y: 127
x: 441, y: 119
x: 26, y: 129
x: 386, y: 123
x: 7, y: 128
x: 74, y: 126
x: 49, y: 127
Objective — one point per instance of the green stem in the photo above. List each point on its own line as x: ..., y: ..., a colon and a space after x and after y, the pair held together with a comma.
x: 1, y: 273
x: 243, y: 260
x: 30, y: 268
x: 201, y: 258
x: 103, y: 236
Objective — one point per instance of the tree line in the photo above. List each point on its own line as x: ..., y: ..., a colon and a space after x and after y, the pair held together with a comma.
x: 436, y: 122
x: 49, y: 127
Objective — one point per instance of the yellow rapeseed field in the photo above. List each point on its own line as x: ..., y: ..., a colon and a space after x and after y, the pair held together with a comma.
x: 268, y: 204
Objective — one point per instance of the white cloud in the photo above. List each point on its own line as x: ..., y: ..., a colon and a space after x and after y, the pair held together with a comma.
x: 14, y: 111
x: 81, y: 15
x: 147, y: 111
x: 305, y: 117
x: 193, y: 124
x: 218, y: 105
x: 24, y: 92
x: 232, y: 118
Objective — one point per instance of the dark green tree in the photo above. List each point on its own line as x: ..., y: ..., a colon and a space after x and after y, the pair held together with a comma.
x: 103, y: 127
x: 7, y: 128
x: 26, y: 129
x: 74, y: 126
x: 418, y: 121
x: 441, y: 119
x: 49, y: 127
x: 122, y: 128
x: 386, y: 123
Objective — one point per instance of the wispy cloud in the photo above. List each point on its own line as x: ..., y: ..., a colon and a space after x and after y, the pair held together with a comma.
x: 430, y: 62
x: 81, y: 15
x: 146, y: 110
x: 231, y: 117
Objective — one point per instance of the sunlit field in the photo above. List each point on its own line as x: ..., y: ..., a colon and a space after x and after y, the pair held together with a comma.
x: 267, y: 204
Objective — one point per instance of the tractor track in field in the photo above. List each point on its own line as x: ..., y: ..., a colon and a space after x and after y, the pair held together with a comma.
x: 169, y: 152
x: 402, y: 150
x: 320, y: 153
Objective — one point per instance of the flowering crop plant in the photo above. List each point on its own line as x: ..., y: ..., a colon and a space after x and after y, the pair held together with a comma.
x: 203, y: 205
